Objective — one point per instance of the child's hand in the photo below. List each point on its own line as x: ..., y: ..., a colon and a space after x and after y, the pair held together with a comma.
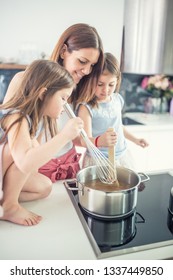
x: 73, y: 128
x: 109, y: 138
x: 142, y: 142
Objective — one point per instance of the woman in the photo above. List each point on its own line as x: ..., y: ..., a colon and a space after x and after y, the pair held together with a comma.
x: 80, y: 51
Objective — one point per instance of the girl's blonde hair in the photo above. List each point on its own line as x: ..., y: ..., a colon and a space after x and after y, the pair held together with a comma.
x: 76, y: 37
x: 40, y: 74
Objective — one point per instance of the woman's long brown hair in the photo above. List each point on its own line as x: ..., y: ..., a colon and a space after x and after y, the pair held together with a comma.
x: 76, y: 37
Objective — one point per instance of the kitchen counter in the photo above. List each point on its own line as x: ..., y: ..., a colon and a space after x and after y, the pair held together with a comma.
x: 151, y: 121
x: 59, y: 236
x: 157, y: 129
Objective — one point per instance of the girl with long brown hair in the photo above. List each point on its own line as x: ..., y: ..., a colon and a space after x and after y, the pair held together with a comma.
x: 104, y: 111
x: 37, y: 102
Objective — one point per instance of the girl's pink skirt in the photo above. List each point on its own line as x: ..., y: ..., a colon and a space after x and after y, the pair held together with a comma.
x: 63, y: 167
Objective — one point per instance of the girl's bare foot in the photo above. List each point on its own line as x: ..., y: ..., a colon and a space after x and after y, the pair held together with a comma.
x: 19, y: 215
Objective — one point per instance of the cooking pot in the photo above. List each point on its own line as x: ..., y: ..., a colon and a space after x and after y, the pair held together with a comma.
x: 114, y: 233
x: 117, y: 203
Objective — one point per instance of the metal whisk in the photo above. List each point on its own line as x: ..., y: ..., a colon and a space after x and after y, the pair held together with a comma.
x: 105, y: 170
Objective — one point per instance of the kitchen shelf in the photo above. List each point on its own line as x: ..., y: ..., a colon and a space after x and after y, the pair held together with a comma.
x: 9, y: 66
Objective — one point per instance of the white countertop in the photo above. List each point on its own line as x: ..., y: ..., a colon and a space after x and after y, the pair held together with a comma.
x: 59, y: 236
x: 151, y: 121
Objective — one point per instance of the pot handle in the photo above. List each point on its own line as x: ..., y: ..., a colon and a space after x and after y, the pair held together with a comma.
x: 147, y: 178
x: 142, y: 219
x: 73, y: 181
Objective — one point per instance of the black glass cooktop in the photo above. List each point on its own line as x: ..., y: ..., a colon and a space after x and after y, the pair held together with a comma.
x: 149, y: 226
x: 129, y: 121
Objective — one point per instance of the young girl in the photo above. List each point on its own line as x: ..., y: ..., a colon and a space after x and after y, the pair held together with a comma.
x: 103, y: 112
x: 79, y: 49
x: 37, y: 102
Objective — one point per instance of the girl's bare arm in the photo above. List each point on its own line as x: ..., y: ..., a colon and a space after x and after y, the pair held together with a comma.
x: 138, y: 141
x: 108, y: 138
x: 27, y: 155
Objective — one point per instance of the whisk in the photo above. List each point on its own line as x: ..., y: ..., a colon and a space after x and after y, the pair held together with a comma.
x: 105, y: 170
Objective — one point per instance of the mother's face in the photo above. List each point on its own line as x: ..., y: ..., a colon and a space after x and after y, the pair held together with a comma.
x: 79, y: 63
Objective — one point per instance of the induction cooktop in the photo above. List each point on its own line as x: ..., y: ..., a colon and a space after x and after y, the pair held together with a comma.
x: 149, y: 226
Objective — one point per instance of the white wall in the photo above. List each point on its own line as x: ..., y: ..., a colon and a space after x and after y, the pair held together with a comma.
x: 37, y: 24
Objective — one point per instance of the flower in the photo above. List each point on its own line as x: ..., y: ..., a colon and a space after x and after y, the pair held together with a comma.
x: 158, y: 86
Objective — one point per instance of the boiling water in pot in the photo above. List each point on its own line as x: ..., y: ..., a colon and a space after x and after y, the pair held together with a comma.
x: 96, y: 184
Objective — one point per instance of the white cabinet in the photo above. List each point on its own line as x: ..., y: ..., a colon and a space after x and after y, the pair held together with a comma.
x: 159, y: 154
x: 139, y: 154
x: 160, y: 150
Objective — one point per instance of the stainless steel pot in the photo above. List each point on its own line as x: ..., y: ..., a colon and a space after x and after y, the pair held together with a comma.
x: 116, y: 203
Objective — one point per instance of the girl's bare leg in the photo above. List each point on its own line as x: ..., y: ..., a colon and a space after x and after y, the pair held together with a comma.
x: 17, y: 185
x: 37, y: 186
x: 13, y: 211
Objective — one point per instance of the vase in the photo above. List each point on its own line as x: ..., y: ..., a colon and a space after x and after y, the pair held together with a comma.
x: 156, y: 105
x: 159, y: 105
x: 164, y: 105
x: 171, y: 107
